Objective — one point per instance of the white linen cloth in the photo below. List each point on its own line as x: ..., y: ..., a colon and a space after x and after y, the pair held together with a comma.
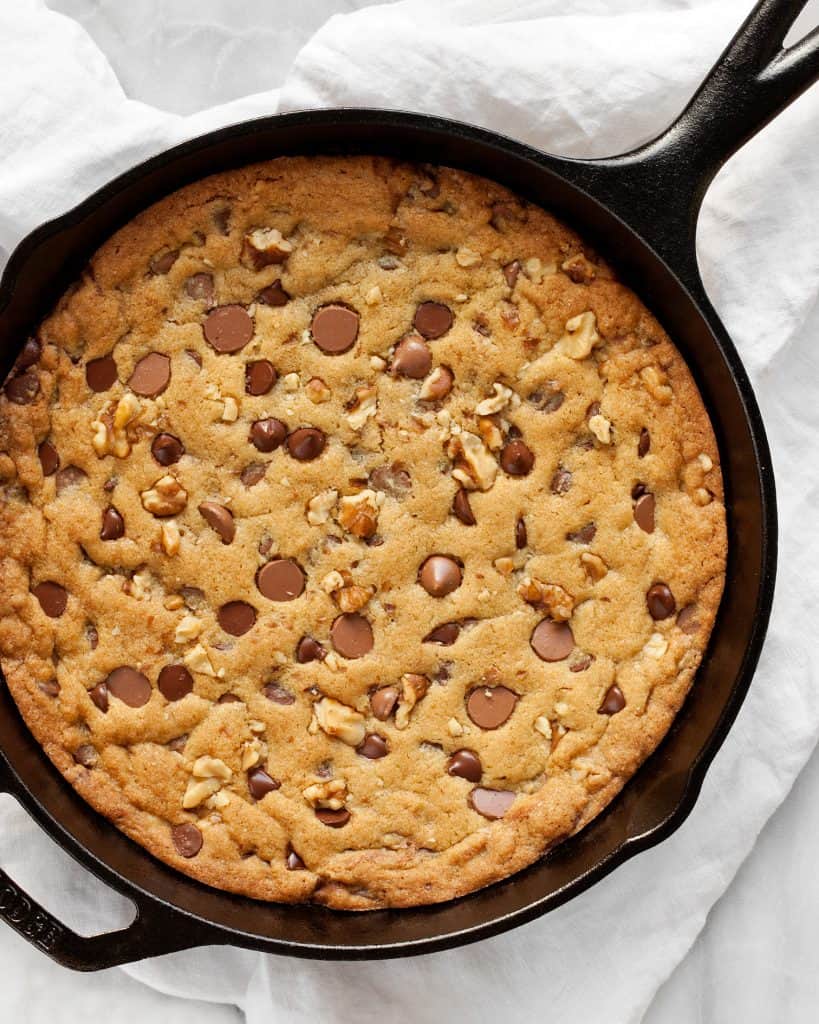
x: 588, y: 78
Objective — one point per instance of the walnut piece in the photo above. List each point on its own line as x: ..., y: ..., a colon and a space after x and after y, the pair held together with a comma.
x: 365, y: 405
x: 340, y: 721
x: 656, y: 383
x: 465, y: 257
x: 495, y: 403
x: 594, y: 565
x: 558, y: 602
x: 358, y: 513
x: 413, y: 688
x: 475, y: 467
x: 198, y: 660
x: 167, y: 497
x: 317, y: 391
x: 581, y: 336
x: 320, y: 506
x: 601, y: 428
x: 169, y: 537
x: 264, y: 246
x: 187, y: 629
x: 207, y: 777
x: 109, y: 435
x: 330, y: 794
x: 656, y: 646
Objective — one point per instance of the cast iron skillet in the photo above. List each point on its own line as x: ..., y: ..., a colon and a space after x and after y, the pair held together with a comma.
x: 641, y: 210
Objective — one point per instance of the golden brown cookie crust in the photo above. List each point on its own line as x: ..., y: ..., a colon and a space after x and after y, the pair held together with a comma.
x: 547, y: 350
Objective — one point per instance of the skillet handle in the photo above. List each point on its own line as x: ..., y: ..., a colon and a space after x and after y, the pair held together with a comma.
x: 658, y: 188
x: 154, y: 931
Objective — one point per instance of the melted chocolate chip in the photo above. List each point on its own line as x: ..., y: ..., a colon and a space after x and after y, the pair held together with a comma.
x: 86, y: 755
x: 521, y: 538
x: 228, y: 698
x: 373, y: 746
x: 167, y: 449
x: 129, y: 686
x: 383, y: 701
x: 352, y: 635
x: 187, y: 839
x: 644, y: 444
x: 278, y: 694
x: 644, y: 512
x: 432, y: 319
x: 267, y: 435
x: 439, y: 575
x: 273, y: 295
x: 687, y: 619
x: 490, y: 706
x: 335, y: 819
x: 200, y: 288
x: 561, y: 481
x: 161, y: 263
x: 228, y: 328
x: 152, y: 374
x: 53, y: 598
x: 306, y: 443
x: 412, y: 358
x: 461, y: 508
x: 446, y: 634
x: 308, y: 650
x: 252, y: 473
x: 99, y: 695
x: 516, y: 458
x: 100, y: 374
x: 585, y: 535
x: 660, y: 601
x: 549, y: 400
x: 260, y: 376
x: 50, y: 687
x: 29, y: 354
x: 113, y: 525
x: 281, y: 580
x: 393, y: 480
x: 465, y: 764
x: 219, y: 519
x: 334, y: 329
x: 613, y: 701
x: 23, y: 388
x: 49, y: 459
x: 511, y: 273
x: 175, y: 682
x: 491, y: 803
x: 236, y: 617
x: 552, y: 641
x: 259, y: 783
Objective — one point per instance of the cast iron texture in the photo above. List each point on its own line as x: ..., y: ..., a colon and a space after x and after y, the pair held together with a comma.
x: 640, y: 209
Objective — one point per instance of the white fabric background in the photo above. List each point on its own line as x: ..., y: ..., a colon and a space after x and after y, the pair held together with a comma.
x: 588, y: 77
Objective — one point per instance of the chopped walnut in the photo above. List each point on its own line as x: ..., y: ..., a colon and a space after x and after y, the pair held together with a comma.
x: 169, y: 537
x: 109, y: 434
x: 365, y: 405
x: 230, y: 409
x: 454, y: 727
x: 358, y: 513
x: 465, y: 257
x: 558, y: 602
x: 495, y: 403
x: 198, y: 791
x: 137, y: 586
x: 339, y: 720
x: 353, y: 598
x: 594, y: 565
x: 581, y: 336
x: 317, y: 391
x: 475, y: 467
x: 207, y: 777
x: 579, y: 269
x: 373, y: 296
x: 656, y: 383
x: 601, y: 428
x: 197, y: 660
x: 329, y: 793
x: 490, y: 434
x: 413, y: 688
x: 320, y: 506
x: 167, y: 497
x: 656, y: 646
x: 252, y: 753
x: 187, y: 629
x: 265, y: 246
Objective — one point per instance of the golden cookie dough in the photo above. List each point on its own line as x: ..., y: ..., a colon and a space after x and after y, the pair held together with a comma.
x: 361, y: 534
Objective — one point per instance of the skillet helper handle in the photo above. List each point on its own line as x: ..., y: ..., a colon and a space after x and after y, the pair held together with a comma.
x: 154, y: 931
x: 658, y: 188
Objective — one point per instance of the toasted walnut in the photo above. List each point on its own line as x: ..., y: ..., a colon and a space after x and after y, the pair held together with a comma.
x: 467, y: 257
x: 188, y: 629
x: 365, y: 405
x: 702, y: 497
x: 167, y: 497
x: 217, y: 802
x: 490, y: 434
x: 339, y: 720
x: 353, y: 598
x: 373, y: 296
x: 594, y: 565
x: 579, y: 269
x: 558, y: 602
x: 495, y: 403
x: 656, y: 646
x: 137, y: 586
x: 475, y: 467
x: 207, y: 767
x: 169, y: 537
x: 317, y: 391
x: 197, y: 660
x: 656, y: 383
x: 377, y: 363
x: 230, y: 409
x: 581, y: 336
x: 454, y: 727
x: 320, y: 506
x: 505, y: 565
x: 437, y: 385
x: 358, y: 513
x: 264, y: 246
x: 173, y: 602
x: 253, y: 751
x: 413, y: 688
x: 601, y: 428
x: 592, y: 774
x: 109, y: 434
x: 706, y: 462
x: 332, y: 581
x: 198, y: 791
x: 533, y: 269
x: 329, y: 793
x: 207, y: 777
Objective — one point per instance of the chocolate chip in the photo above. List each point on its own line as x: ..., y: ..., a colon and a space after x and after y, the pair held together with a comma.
x: 152, y: 374
x: 161, y: 263
x: 412, y: 358
x: 687, y: 619
x: 23, y: 389
x: 252, y: 473
x: 177, y: 744
x: 432, y: 319
x: 228, y: 328
x: 99, y: 695
x: 69, y: 477
x: 273, y: 295
x: 268, y: 434
x: 580, y: 663
x: 660, y: 601
x: 644, y: 512
x: 561, y: 481
x: 465, y: 764
x: 490, y: 706
x: 511, y: 272
x: 129, y: 686
x: 281, y: 580
x: 446, y: 634
x: 613, y: 701
x: 29, y: 354
x: 187, y: 839
x: 100, y: 374
x: 175, y: 682
x: 552, y: 641
x: 221, y: 220
x: 335, y: 819
x: 50, y: 687
x: 200, y: 288
x: 334, y: 329
x: 259, y: 783
x: 491, y: 803
x: 113, y: 525
x: 294, y: 861
x: 393, y: 480
x: 638, y: 490
x: 49, y: 459
x: 236, y: 617
x: 86, y: 755
x: 383, y: 701
x: 53, y: 598
x: 192, y: 596
x: 229, y: 698
x: 517, y: 458
x: 372, y: 746
x: 278, y: 694
x: 260, y: 376
x: 308, y: 650
x: 306, y: 443
x: 167, y: 449
x: 92, y: 636
x: 352, y: 635
x: 439, y: 385
x: 521, y: 538
x: 644, y: 444
x: 585, y: 535
x: 461, y: 508
x: 549, y: 400
x: 219, y: 519
x: 439, y: 575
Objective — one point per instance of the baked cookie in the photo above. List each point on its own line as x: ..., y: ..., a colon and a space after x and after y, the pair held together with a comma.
x: 361, y: 534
